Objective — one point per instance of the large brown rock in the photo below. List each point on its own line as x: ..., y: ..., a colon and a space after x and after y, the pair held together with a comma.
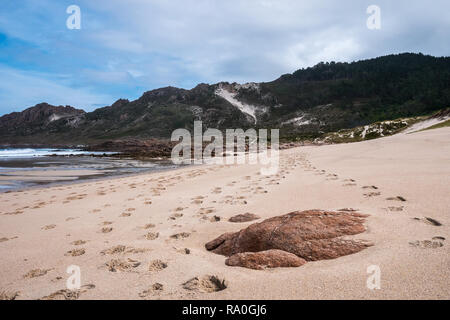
x: 265, y: 259
x: 311, y: 235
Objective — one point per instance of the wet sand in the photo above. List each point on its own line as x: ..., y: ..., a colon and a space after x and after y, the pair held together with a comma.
x: 29, y: 172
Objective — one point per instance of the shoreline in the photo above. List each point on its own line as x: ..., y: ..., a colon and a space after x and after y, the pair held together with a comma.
x: 21, y: 173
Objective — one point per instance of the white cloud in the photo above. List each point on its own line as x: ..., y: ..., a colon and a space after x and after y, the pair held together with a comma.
x: 126, y: 47
x: 272, y: 37
x: 33, y: 88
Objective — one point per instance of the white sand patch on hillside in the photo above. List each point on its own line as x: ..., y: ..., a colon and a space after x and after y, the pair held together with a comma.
x: 298, y: 121
x: 230, y: 97
x: 425, y: 124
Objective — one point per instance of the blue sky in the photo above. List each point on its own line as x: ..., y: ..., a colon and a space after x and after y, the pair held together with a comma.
x: 125, y: 48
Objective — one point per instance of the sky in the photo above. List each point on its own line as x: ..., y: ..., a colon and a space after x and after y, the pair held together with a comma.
x: 124, y: 48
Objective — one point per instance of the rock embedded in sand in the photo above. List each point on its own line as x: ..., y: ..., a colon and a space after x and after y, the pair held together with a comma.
x: 311, y: 235
x: 246, y: 217
x: 265, y: 259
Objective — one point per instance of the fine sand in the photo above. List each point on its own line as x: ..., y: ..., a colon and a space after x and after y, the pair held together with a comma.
x: 143, y: 237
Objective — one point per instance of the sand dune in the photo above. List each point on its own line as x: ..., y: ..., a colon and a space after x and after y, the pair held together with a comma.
x: 143, y: 237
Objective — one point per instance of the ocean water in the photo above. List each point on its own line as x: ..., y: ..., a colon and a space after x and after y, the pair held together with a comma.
x: 29, y: 167
x: 31, y: 153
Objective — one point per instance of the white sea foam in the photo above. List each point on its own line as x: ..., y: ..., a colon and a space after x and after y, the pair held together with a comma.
x: 32, y: 153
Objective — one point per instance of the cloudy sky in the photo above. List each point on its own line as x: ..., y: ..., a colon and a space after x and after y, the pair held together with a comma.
x: 127, y: 47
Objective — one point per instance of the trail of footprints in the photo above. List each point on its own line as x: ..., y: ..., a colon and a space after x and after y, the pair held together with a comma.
x: 372, y: 191
x: 119, y: 262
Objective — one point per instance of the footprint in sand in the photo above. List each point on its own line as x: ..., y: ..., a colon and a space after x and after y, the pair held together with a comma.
x: 372, y: 194
x: 207, y: 210
x: 183, y: 251
x: 211, y: 219
x: 215, y: 219
x: 370, y: 187
x: 121, y: 249
x: 151, y: 236
x: 397, y: 198
x: 350, y: 184
x: 78, y: 242
x: 155, y: 289
x: 36, y: 273
x: 39, y: 205
x: 16, y: 212
x: 106, y: 230
x: 157, y: 265
x: 395, y: 209
x: 259, y: 190
x: 430, y: 221
x: 56, y: 279
x: 148, y: 226
x: 49, y: 227
x: 175, y: 216
x: 66, y: 294
x: 197, y: 200
x: 348, y: 210
x: 332, y: 176
x: 234, y: 200
x: 77, y: 197
x: 128, y: 265
x: 435, y: 242
x: 75, y: 252
x: 8, y: 295
x: 125, y: 214
x: 217, y: 190
x: 206, y: 284
x: 180, y: 235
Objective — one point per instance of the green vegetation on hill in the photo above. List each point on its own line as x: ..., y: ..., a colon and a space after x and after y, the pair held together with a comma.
x: 305, y: 105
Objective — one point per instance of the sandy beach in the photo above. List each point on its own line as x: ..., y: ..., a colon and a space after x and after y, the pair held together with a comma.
x: 143, y: 237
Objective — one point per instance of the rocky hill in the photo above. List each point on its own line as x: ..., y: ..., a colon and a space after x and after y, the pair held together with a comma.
x: 306, y: 104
